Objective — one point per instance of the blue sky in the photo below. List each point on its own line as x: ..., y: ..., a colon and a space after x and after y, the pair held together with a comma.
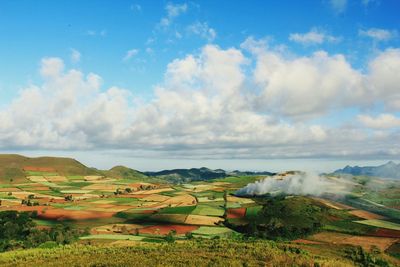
x: 145, y: 57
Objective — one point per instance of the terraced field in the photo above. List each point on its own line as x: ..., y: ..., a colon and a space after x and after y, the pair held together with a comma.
x: 154, y: 209
x: 131, y: 210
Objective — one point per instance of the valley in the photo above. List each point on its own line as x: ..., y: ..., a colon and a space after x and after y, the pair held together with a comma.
x: 125, y: 207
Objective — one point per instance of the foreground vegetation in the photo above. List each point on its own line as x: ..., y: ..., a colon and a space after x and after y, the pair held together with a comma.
x: 18, y: 230
x: 190, y: 253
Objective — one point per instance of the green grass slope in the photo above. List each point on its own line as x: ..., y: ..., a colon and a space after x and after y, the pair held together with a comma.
x: 125, y: 173
x: 204, y: 253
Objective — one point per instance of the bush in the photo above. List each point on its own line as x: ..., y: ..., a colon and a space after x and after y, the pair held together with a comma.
x: 48, y: 244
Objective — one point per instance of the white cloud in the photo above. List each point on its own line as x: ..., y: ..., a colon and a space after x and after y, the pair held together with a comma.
x: 202, y: 30
x: 383, y: 121
x: 314, y: 36
x: 75, y: 55
x: 339, y: 6
x: 378, y: 34
x: 383, y: 79
x: 130, y: 54
x: 173, y: 11
x: 310, y: 86
x: 213, y: 104
x: 51, y: 67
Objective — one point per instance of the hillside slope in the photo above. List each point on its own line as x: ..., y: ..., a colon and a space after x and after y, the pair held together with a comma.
x: 15, y: 166
x: 204, y: 253
x: 125, y: 173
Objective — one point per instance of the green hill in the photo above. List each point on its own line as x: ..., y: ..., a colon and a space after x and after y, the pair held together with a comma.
x: 14, y: 168
x: 125, y: 173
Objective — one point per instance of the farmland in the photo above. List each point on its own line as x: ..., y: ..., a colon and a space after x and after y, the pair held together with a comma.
x: 123, y: 207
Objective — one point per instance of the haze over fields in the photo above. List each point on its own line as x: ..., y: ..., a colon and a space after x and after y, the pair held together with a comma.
x: 179, y: 84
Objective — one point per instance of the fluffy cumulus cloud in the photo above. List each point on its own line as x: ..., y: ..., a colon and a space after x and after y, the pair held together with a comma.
x: 248, y: 102
x: 56, y: 114
x: 314, y: 36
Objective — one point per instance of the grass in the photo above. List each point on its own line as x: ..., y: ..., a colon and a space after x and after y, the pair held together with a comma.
x: 208, y: 210
x: 76, y: 184
x: 204, y: 253
x: 210, y: 230
x: 381, y: 224
x: 348, y: 227
x: 132, y: 216
x: 45, y: 222
x: 37, y: 173
x: 177, y: 210
x: 121, y: 200
x: 75, y: 177
x: 76, y: 191
x: 239, y: 180
x: 251, y: 212
x: 113, y: 237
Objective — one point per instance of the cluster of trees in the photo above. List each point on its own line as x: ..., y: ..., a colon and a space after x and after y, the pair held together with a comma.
x: 363, y: 258
x: 285, y: 218
x: 130, y: 190
x: 18, y: 230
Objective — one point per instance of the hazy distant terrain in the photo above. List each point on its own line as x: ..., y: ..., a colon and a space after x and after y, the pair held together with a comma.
x: 388, y: 170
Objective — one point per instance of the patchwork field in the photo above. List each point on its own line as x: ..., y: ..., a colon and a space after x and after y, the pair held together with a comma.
x: 121, y: 210
x: 367, y: 242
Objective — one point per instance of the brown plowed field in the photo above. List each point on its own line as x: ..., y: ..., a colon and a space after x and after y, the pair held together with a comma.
x: 165, y: 229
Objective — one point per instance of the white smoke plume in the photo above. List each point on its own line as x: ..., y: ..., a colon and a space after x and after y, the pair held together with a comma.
x: 299, y: 183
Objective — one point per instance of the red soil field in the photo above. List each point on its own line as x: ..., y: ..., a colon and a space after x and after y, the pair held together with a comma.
x: 381, y: 232
x: 39, y: 169
x: 135, y: 196
x: 165, y: 229
x: 61, y: 214
x: 236, y: 213
x: 146, y: 211
x: 51, y: 213
x: 9, y: 189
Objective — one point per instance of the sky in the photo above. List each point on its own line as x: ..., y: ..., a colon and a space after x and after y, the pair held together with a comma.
x: 249, y: 85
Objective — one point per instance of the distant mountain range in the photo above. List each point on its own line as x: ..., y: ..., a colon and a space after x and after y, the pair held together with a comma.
x: 198, y: 174
x: 15, y: 168
x: 388, y: 170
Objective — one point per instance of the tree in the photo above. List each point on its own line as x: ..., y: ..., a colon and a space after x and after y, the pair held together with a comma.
x: 170, y: 237
x: 128, y: 190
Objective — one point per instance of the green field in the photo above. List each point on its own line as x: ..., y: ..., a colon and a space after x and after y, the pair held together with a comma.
x: 381, y: 224
x: 178, y: 210
x: 208, y: 210
x: 196, y: 217
x: 210, y: 230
